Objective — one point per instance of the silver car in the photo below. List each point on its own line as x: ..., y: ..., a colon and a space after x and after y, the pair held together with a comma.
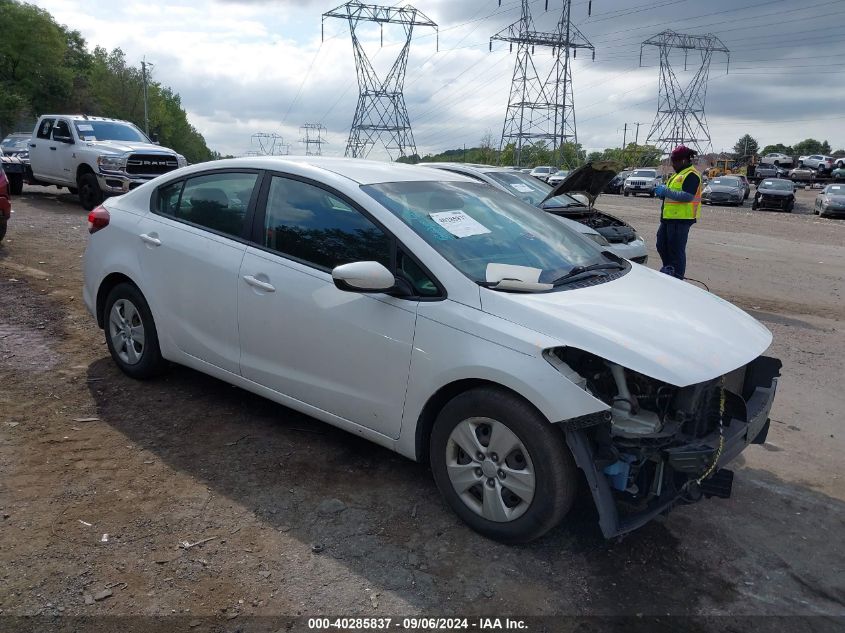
x: 776, y: 158
x: 831, y: 201
x: 543, y: 172
x: 614, y: 234
x: 558, y: 177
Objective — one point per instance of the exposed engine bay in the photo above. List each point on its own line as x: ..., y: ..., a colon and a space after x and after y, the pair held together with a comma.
x: 659, y: 444
x: 611, y: 228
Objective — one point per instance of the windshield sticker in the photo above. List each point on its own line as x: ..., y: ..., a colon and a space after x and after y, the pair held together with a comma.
x: 835, y: 187
x: 84, y: 127
x: 768, y: 183
x: 526, y: 274
x: 458, y: 223
x: 521, y: 187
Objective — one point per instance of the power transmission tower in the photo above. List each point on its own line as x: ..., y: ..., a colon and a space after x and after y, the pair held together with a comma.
x: 270, y: 144
x: 541, y: 110
x: 313, y: 136
x: 680, y: 116
x: 381, y: 110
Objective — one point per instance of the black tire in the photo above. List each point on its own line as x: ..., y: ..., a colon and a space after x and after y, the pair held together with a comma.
x: 754, y: 205
x: 790, y: 206
x: 626, y: 193
x: 651, y: 195
x: 150, y: 362
x: 90, y: 194
x: 73, y: 190
x: 15, y: 184
x: 554, y: 469
x: 3, y: 224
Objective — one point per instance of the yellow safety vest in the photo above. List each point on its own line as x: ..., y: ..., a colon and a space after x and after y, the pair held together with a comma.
x: 673, y: 210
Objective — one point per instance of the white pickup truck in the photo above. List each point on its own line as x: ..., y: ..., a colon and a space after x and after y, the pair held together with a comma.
x: 94, y: 156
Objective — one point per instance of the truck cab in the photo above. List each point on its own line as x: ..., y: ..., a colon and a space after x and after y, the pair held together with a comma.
x: 95, y: 156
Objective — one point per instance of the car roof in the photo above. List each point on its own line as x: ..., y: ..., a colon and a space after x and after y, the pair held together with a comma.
x: 469, y: 167
x: 363, y: 172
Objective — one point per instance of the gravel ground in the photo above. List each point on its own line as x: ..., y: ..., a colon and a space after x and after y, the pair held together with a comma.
x: 187, y: 496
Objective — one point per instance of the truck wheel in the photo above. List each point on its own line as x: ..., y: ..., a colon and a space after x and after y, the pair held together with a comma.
x: 90, y: 194
x: 502, y: 467
x: 15, y: 184
x: 3, y: 224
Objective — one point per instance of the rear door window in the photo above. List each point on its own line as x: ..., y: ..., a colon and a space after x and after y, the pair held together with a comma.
x: 218, y: 202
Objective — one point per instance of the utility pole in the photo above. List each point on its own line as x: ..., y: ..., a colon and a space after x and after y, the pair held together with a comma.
x: 144, y: 75
x: 680, y: 110
x: 381, y: 109
x: 624, y: 136
x: 539, y: 110
x: 637, y: 137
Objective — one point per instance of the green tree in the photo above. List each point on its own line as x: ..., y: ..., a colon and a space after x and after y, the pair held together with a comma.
x: 745, y: 146
x: 778, y: 148
x: 811, y: 146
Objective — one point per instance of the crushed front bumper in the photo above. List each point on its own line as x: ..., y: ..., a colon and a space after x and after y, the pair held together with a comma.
x: 749, y: 424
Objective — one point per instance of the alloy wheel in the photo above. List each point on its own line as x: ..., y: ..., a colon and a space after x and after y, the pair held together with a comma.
x: 126, y: 330
x: 490, y: 469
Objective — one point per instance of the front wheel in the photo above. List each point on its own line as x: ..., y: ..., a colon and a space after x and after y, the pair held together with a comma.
x: 754, y: 205
x: 501, y: 466
x: 131, y: 334
x: 90, y: 194
x: 3, y: 224
x: 626, y: 193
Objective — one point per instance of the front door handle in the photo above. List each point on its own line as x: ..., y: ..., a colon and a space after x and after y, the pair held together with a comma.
x: 257, y: 283
x: 149, y: 239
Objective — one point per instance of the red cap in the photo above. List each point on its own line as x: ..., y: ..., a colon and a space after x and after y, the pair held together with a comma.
x: 682, y: 151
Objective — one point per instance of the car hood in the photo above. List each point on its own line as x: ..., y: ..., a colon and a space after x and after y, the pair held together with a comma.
x: 122, y: 147
x: 646, y: 321
x: 724, y: 188
x: 590, y: 179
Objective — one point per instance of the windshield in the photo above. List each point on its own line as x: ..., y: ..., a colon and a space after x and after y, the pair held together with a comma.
x: 544, y: 170
x: 473, y: 225
x: 644, y: 173
x: 727, y: 182
x: 109, y: 131
x: 835, y: 190
x: 785, y: 185
x: 530, y: 190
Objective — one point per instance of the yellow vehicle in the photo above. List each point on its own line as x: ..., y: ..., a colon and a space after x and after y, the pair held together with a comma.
x: 726, y: 166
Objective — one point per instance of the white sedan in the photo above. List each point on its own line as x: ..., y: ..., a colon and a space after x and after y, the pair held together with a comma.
x: 443, y: 319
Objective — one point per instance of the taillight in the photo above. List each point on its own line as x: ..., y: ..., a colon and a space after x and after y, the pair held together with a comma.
x: 98, y: 219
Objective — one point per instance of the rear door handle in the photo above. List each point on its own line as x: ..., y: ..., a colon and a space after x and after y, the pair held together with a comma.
x: 149, y: 239
x: 257, y: 283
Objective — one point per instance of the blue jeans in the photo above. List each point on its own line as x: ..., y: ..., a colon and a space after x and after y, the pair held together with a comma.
x: 672, y: 244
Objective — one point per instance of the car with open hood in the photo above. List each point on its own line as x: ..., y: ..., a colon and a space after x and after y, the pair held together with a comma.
x: 831, y: 201
x: 724, y: 190
x: 607, y: 230
x: 441, y: 318
x: 774, y: 193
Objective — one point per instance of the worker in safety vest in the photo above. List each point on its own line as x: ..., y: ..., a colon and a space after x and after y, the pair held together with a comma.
x: 681, y: 203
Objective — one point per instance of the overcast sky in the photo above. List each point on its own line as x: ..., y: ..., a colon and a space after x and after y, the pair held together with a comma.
x: 249, y: 66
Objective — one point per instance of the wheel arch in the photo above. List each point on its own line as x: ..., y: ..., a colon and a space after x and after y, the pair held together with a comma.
x: 84, y: 168
x: 434, y: 405
x: 106, y: 285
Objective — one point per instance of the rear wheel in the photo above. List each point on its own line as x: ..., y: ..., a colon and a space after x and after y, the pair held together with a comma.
x: 90, y: 194
x: 15, y: 184
x: 131, y: 334
x: 502, y: 467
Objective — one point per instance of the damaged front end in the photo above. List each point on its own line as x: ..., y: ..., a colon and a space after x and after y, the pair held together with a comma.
x: 658, y: 445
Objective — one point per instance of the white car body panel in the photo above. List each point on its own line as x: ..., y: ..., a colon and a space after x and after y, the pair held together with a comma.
x: 672, y: 331
x: 337, y: 331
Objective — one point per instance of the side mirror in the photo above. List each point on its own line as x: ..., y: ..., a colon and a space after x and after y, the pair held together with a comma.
x: 363, y: 277
x: 154, y: 138
x: 63, y: 139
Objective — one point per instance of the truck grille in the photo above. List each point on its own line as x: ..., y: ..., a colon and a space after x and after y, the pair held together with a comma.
x: 150, y: 164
